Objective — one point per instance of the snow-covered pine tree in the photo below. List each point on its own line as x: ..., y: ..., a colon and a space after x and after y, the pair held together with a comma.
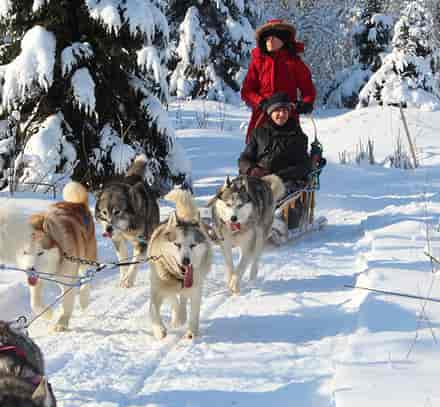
x: 407, y: 75
x: 326, y: 29
x: 371, y: 35
x: 85, y: 80
x: 434, y: 6
x: 212, y: 44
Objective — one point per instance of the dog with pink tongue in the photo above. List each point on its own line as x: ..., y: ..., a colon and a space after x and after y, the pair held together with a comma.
x: 181, y: 258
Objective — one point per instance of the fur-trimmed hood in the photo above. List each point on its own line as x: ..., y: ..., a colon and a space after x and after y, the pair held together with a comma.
x: 288, y: 30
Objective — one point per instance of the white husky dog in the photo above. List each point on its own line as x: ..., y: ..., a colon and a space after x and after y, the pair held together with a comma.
x: 184, y: 258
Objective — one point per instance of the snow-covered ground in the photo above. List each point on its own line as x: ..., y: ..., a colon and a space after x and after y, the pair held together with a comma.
x: 298, y: 336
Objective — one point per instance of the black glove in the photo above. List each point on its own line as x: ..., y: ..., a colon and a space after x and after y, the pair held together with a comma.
x: 303, y: 107
x: 263, y: 105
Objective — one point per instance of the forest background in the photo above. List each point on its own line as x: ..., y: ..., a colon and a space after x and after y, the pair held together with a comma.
x: 85, y: 86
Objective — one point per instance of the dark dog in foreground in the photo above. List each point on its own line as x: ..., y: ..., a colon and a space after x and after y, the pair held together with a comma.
x: 22, y: 375
x: 128, y: 211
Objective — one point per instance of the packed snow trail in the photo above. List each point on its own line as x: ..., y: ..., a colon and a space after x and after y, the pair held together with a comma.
x: 279, y: 324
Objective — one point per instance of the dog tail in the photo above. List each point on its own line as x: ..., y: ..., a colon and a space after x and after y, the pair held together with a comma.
x: 76, y: 193
x: 138, y: 166
x: 276, y: 185
x: 186, y: 207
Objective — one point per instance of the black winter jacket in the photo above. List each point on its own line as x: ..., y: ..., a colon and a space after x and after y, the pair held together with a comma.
x: 279, y: 150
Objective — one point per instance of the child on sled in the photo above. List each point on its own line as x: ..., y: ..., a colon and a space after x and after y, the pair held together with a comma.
x: 279, y: 147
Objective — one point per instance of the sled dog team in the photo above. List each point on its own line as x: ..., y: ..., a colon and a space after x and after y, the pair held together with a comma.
x: 180, y: 248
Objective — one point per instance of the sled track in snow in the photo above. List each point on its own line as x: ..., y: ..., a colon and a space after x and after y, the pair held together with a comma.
x: 155, y: 381
x: 120, y: 318
x: 117, y: 321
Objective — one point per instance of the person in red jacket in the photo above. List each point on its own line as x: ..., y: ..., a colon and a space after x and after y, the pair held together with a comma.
x: 276, y: 67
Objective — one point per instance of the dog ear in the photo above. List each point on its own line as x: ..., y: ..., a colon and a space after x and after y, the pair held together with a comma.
x: 136, y: 196
x: 228, y: 182
x: 170, y: 231
x: 245, y: 184
x: 214, y: 198
x: 37, y: 221
x: 97, y: 195
x: 219, y: 192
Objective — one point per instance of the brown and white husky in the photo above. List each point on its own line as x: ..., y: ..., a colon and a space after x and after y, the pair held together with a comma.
x: 65, y: 228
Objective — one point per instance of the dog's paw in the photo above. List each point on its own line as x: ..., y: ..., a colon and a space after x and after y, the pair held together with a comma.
x: 61, y: 324
x: 235, y: 290
x: 234, y: 285
x: 126, y: 283
x: 59, y: 327
x: 191, y: 334
x: 159, y: 332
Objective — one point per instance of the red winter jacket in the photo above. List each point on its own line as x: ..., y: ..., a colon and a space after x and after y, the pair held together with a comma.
x: 271, y: 73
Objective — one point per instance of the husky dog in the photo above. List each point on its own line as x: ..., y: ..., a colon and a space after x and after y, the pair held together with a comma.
x: 242, y: 212
x: 183, y: 259
x: 128, y: 212
x: 22, y: 374
x: 66, y: 228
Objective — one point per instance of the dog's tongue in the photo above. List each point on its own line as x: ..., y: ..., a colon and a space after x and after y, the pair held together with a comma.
x: 235, y: 227
x: 188, y: 278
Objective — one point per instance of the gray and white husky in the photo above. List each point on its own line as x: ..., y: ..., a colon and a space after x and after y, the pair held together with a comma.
x: 183, y: 255
x: 242, y: 212
x: 128, y: 212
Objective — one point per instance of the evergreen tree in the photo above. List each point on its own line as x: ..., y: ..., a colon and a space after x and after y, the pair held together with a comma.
x: 84, y: 81
x: 371, y: 37
x: 325, y: 28
x: 435, y: 7
x: 407, y: 75
x: 212, y: 44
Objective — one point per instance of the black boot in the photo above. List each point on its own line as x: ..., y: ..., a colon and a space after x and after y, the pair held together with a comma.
x: 295, y: 214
